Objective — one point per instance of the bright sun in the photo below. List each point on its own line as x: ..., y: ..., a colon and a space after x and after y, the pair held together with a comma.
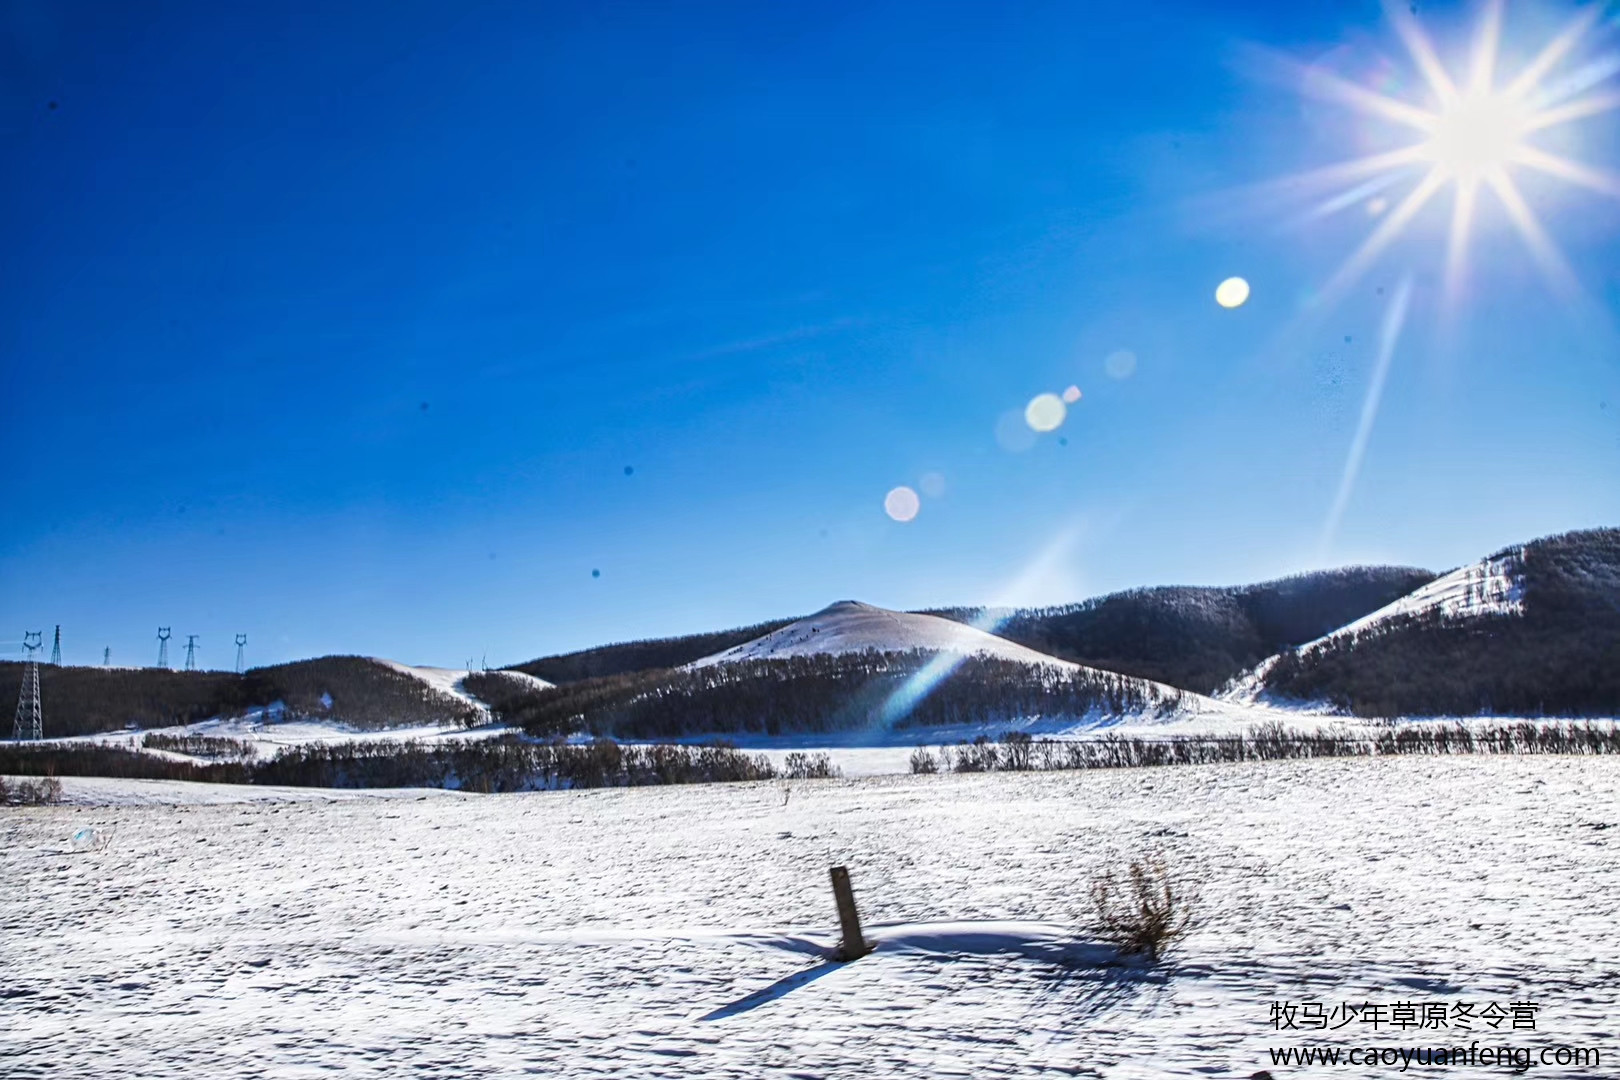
x: 1472, y: 136
x: 1475, y: 137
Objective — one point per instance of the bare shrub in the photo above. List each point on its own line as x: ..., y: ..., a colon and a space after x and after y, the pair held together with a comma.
x: 922, y: 761
x: 801, y: 766
x: 1015, y: 749
x: 202, y: 746
x: 46, y: 791
x: 1147, y: 911
x: 978, y: 756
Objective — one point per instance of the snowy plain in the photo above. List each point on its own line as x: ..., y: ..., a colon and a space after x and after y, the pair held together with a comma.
x: 677, y: 931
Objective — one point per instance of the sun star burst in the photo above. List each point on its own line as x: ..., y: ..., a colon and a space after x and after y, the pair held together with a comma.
x: 1473, y: 136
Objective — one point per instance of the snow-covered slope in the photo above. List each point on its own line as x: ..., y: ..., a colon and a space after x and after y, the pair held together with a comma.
x: 851, y: 627
x: 1491, y: 586
x: 452, y: 682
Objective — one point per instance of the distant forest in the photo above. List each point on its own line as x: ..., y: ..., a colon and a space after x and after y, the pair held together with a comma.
x: 362, y: 692
x: 628, y: 656
x: 1199, y: 638
x: 825, y: 693
x: 1561, y: 657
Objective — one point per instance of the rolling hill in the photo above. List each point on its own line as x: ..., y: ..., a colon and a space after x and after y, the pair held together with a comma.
x: 357, y: 691
x: 853, y: 667
x: 1530, y: 630
x: 1198, y: 638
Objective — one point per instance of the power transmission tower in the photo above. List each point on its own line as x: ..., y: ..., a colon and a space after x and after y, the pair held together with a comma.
x: 106, y: 656
x: 30, y: 722
x: 191, y: 652
x: 56, y: 648
x: 163, y: 647
x: 241, y: 640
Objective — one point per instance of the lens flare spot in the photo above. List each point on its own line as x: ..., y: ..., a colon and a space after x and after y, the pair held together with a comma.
x: 901, y: 503
x: 1377, y: 206
x: 1045, y: 412
x: 932, y: 484
x: 1012, y: 433
x: 1121, y: 364
x: 1232, y: 292
x: 1071, y: 395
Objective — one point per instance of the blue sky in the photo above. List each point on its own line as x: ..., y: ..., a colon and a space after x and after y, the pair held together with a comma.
x: 380, y: 335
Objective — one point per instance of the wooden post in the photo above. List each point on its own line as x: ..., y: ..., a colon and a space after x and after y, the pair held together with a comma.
x: 854, y: 945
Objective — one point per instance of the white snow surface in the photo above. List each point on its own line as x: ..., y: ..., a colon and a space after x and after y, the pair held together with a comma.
x: 850, y: 626
x: 681, y: 931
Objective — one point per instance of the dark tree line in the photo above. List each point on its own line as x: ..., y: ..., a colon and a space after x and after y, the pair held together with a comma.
x: 1018, y: 752
x: 483, y: 765
x: 625, y: 657
x: 1560, y: 657
x: 827, y: 693
x: 1199, y: 638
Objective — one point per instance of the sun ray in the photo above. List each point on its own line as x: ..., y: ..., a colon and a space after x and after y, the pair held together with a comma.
x: 1423, y: 55
x: 1485, y: 50
x: 1573, y: 171
x: 1462, y: 216
x: 1389, y: 336
x: 1555, y: 51
x: 1578, y: 81
x: 1355, y: 195
x: 1327, y: 86
x: 1386, y: 232
x: 1595, y: 105
x: 1542, y: 249
x: 1354, y: 169
x: 1368, y: 101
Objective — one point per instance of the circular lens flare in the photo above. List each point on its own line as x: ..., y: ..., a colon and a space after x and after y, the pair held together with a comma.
x: 1045, y: 412
x: 1071, y: 395
x: 1121, y: 364
x: 901, y: 503
x: 1012, y: 432
x: 1232, y: 292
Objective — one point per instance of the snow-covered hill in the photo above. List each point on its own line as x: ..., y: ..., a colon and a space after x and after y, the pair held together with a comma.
x: 453, y: 682
x: 853, y: 627
x: 850, y: 627
x: 1492, y: 586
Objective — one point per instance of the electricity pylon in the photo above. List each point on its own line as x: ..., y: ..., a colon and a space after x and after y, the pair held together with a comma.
x: 30, y: 723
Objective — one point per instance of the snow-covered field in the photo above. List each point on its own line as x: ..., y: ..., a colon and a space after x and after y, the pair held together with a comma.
x: 675, y: 931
